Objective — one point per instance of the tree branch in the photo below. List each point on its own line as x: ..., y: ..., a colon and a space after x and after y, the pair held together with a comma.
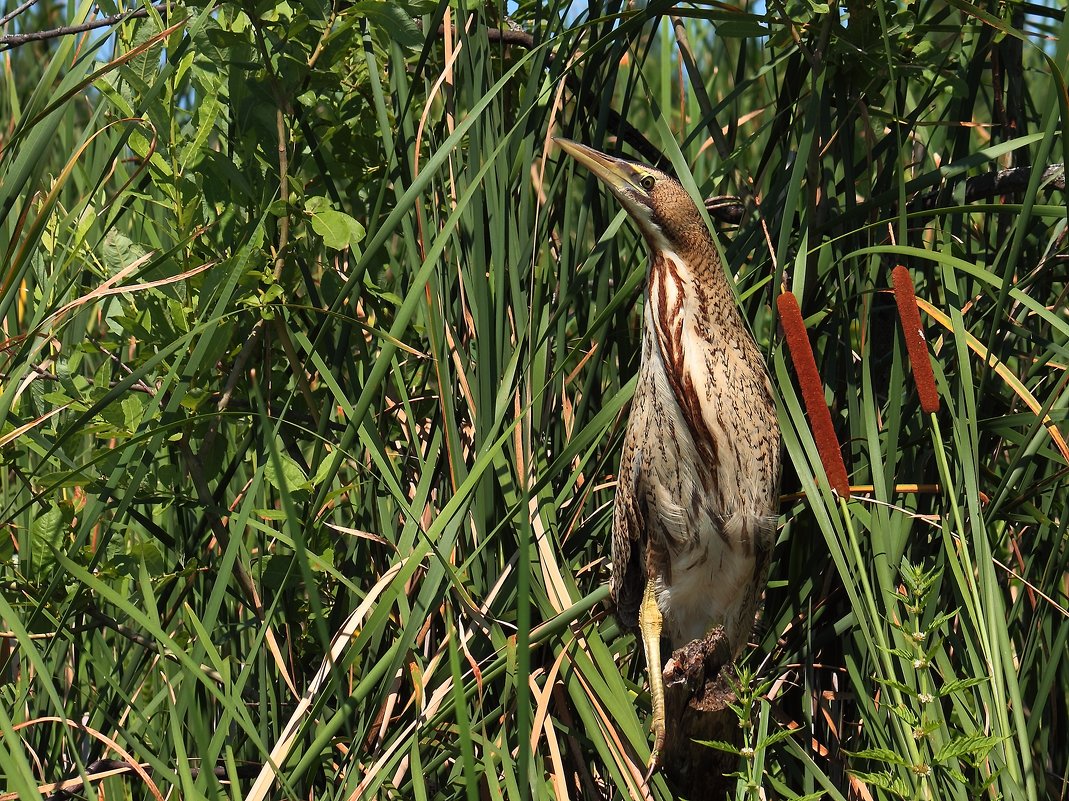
x: 4, y: 20
x: 1002, y: 182
x: 14, y: 40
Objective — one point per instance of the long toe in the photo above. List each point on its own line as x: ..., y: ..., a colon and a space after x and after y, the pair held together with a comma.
x: 658, y: 749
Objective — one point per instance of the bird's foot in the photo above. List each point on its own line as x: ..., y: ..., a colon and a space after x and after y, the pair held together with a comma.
x: 691, y: 664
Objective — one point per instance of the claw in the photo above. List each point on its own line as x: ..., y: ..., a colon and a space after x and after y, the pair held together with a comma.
x: 655, y: 755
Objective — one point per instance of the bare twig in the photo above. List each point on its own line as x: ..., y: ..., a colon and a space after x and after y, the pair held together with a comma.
x: 139, y: 385
x: 1015, y: 179
x: 725, y: 208
x: 283, y: 183
x: 4, y: 20
x: 14, y: 40
x: 510, y: 36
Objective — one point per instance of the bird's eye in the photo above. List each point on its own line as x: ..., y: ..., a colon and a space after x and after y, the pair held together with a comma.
x: 647, y: 182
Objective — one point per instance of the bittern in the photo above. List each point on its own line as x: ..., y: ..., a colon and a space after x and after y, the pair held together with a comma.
x: 697, y: 492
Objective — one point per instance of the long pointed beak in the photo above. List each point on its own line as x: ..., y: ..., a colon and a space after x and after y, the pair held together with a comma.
x: 614, y: 172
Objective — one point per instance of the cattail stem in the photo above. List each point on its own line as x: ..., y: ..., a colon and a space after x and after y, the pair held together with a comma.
x: 805, y: 366
x: 915, y: 345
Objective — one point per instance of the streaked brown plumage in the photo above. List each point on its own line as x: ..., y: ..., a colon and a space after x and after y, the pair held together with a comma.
x: 698, y: 487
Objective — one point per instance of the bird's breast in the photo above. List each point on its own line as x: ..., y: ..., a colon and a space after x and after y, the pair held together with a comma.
x: 713, y: 581
x: 712, y: 395
x: 710, y: 448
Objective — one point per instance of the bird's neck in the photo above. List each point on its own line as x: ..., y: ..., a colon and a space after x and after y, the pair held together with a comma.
x: 689, y: 281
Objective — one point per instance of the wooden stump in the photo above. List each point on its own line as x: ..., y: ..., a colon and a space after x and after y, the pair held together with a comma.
x: 697, y: 698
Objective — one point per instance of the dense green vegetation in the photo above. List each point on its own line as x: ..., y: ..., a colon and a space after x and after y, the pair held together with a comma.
x: 316, y: 358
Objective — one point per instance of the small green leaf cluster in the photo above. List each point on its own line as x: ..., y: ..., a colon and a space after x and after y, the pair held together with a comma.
x: 935, y: 709
x: 761, y: 737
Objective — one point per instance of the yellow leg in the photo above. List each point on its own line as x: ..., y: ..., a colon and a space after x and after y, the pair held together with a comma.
x: 649, y: 624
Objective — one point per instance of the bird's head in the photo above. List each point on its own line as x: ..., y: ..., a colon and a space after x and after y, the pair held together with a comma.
x: 657, y: 202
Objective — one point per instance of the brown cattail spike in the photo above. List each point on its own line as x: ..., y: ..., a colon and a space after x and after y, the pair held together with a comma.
x: 813, y: 393
x: 915, y: 345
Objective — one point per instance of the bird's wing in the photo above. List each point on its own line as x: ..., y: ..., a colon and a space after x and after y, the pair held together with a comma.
x: 629, y: 536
